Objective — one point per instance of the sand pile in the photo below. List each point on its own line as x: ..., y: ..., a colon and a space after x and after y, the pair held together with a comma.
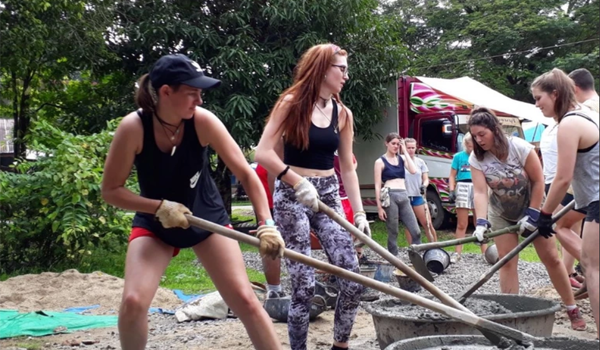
x: 57, y: 291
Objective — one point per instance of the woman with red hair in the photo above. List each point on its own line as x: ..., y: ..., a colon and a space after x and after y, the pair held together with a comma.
x: 314, y: 124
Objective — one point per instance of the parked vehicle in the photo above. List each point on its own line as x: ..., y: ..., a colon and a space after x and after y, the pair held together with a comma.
x: 435, y: 112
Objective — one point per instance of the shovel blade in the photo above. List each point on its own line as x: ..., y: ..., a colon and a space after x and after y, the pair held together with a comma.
x: 419, y: 265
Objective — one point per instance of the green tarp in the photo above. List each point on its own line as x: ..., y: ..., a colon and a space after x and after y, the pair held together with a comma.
x: 40, y: 323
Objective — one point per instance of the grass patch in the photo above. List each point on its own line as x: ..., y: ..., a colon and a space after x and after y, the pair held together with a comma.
x: 183, y: 273
x: 379, y: 234
x: 241, y: 203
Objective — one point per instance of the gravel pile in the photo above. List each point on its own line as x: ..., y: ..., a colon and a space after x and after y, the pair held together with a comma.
x: 454, y: 280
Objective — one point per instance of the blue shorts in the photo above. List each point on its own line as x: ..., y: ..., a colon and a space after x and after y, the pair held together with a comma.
x: 415, y: 201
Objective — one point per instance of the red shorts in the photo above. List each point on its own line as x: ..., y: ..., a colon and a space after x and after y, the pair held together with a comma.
x: 142, y: 232
x: 348, y: 210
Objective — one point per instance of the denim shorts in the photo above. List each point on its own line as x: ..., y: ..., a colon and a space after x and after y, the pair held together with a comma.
x: 566, y: 199
x: 415, y: 201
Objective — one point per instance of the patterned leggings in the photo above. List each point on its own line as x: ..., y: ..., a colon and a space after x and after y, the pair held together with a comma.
x: 295, y: 221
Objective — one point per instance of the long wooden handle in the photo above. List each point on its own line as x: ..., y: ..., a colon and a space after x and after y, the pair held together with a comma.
x: 482, y: 324
x: 453, y: 242
x: 488, y: 274
x: 414, y: 275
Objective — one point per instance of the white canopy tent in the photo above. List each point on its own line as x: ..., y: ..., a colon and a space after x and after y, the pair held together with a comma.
x: 474, y: 92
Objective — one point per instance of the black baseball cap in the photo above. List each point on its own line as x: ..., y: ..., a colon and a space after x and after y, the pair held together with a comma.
x: 180, y: 69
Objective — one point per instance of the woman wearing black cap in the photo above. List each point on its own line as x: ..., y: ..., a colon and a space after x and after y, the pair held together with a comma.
x: 167, y: 140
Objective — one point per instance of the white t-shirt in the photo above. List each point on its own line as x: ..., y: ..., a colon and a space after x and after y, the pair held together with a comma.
x: 508, y: 181
x: 414, y: 181
x: 549, y: 149
x: 593, y: 104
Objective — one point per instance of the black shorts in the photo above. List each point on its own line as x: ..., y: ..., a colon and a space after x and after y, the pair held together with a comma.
x: 593, y: 212
x: 566, y: 200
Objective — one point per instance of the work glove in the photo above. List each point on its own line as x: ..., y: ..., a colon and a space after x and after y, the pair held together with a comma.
x: 307, y: 194
x: 452, y: 196
x: 172, y: 214
x: 422, y: 190
x: 360, y: 221
x: 528, y: 224
x: 482, y: 226
x: 271, y: 242
x: 544, y: 225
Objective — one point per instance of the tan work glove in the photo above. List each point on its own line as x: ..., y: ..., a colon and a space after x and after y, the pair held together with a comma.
x: 172, y: 214
x: 271, y: 242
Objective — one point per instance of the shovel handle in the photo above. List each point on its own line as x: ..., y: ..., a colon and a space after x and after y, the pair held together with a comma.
x: 467, y: 318
x: 414, y: 275
x: 453, y: 242
x: 488, y: 274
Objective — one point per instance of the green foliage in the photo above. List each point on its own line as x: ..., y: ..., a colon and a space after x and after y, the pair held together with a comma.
x: 253, y: 46
x: 503, y: 43
x: 83, y: 105
x: 42, y: 43
x: 52, y: 210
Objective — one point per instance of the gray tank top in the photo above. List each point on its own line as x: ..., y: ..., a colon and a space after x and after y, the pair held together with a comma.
x: 586, y: 178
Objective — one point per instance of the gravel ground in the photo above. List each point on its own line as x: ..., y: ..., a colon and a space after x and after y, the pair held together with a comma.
x: 166, y: 333
x: 454, y: 280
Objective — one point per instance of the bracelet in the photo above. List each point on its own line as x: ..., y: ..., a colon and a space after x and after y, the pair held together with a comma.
x: 361, y: 212
x: 281, y: 174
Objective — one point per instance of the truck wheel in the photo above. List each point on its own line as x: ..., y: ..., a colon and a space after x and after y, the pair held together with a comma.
x: 439, y: 216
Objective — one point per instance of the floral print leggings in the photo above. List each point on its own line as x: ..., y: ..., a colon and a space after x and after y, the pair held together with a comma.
x: 295, y: 222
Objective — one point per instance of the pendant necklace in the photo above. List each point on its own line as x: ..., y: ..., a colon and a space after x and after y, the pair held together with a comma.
x: 172, y: 138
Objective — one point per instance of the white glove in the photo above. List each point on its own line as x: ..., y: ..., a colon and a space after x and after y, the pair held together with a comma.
x: 271, y: 242
x: 307, y: 194
x: 360, y: 221
x: 172, y: 214
x: 482, y: 227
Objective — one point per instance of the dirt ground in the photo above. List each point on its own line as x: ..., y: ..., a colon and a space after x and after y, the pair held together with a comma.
x: 50, y: 291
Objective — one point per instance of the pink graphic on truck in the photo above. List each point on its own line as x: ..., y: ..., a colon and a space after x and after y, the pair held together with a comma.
x: 424, y: 99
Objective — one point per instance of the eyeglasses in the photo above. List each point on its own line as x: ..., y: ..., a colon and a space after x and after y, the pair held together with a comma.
x: 343, y: 69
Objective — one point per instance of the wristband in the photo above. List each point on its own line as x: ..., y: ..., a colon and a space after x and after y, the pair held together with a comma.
x: 281, y: 174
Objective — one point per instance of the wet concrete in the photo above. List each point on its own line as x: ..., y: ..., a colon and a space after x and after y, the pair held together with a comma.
x: 480, y: 307
x: 466, y: 342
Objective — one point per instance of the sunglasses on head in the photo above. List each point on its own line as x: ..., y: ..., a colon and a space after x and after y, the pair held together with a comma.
x: 336, y: 48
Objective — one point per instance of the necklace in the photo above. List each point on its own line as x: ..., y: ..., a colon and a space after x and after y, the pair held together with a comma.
x: 165, y: 127
x: 320, y: 110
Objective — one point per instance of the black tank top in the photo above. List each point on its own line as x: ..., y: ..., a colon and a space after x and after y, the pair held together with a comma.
x: 183, y: 178
x: 390, y: 171
x: 322, y: 144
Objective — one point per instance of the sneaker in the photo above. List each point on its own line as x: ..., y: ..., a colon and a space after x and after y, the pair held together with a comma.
x: 574, y: 283
x: 454, y: 258
x: 577, y: 322
x: 272, y: 294
x: 582, y: 293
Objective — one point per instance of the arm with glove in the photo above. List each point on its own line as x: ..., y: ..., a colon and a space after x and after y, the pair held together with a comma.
x: 481, y: 199
x: 349, y: 177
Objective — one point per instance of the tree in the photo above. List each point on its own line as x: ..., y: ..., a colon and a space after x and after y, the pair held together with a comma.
x: 253, y: 46
x: 43, y: 43
x: 502, y: 43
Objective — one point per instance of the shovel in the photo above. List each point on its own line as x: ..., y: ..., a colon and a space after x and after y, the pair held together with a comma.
x: 443, y: 297
x: 417, y: 260
x: 493, y: 331
x: 486, y: 276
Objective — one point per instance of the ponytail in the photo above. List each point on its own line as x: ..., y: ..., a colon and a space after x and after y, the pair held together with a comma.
x: 556, y: 81
x: 143, y: 96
